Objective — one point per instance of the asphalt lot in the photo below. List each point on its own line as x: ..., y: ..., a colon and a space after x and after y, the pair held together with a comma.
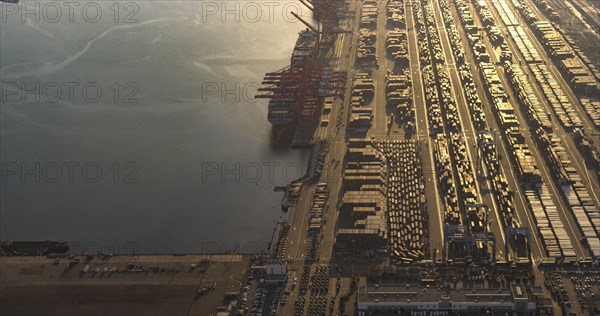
x: 38, y: 286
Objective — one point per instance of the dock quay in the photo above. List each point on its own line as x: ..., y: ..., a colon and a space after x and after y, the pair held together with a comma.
x: 453, y: 171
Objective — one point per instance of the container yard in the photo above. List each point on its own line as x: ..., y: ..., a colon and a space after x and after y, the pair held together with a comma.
x: 454, y: 169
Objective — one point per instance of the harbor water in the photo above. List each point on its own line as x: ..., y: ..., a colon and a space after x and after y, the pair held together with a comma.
x: 137, y: 131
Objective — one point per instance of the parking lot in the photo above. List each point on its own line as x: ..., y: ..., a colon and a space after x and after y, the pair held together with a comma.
x: 578, y: 291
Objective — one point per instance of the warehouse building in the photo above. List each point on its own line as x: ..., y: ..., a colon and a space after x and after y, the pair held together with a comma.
x: 398, y: 299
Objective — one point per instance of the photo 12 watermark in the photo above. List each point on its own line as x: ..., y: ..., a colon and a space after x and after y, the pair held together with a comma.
x: 69, y: 92
x: 68, y: 172
x: 118, y: 12
x: 229, y: 92
x: 250, y: 172
x: 250, y: 11
x: 106, y: 249
x: 245, y: 248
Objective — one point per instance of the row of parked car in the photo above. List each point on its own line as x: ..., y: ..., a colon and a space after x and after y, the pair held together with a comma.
x: 586, y: 283
x: 396, y: 44
x: 396, y: 16
x: 407, y: 218
x: 258, y: 303
x: 490, y: 25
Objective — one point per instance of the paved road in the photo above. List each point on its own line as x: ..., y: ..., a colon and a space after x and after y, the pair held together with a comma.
x: 434, y: 208
x: 344, y: 52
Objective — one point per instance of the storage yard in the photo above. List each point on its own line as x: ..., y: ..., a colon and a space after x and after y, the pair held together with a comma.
x: 471, y: 140
x: 469, y: 159
x: 455, y: 162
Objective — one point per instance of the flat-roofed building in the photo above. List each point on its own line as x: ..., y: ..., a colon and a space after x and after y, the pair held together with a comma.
x: 376, y: 299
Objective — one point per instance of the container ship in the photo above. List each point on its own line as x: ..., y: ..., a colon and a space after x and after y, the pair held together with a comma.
x: 284, y: 85
x: 304, y: 49
x: 296, y: 92
x: 282, y: 112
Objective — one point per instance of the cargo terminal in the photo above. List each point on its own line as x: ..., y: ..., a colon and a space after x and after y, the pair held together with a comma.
x: 454, y: 170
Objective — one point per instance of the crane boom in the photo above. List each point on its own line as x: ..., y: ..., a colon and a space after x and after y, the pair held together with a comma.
x: 305, y: 23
